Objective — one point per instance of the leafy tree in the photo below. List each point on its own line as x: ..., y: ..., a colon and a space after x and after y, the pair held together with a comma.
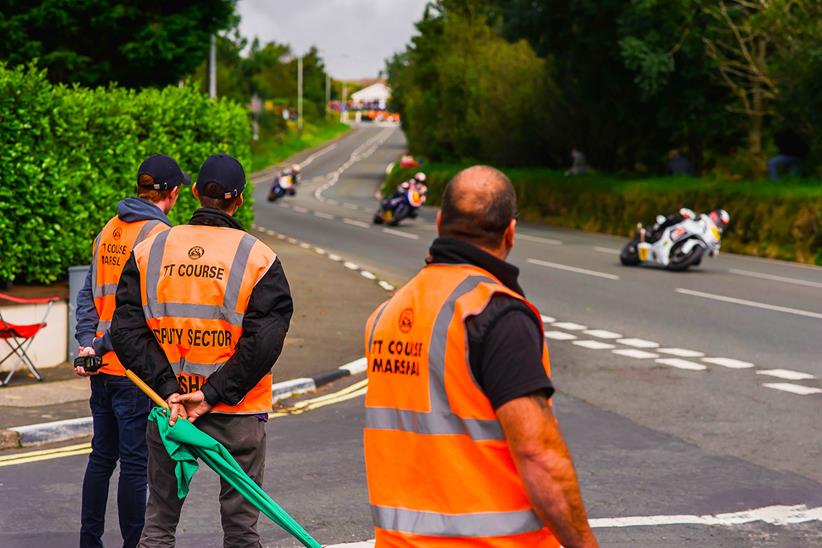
x: 133, y: 42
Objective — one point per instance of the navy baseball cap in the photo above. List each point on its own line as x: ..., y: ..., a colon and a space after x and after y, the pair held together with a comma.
x: 224, y: 170
x: 164, y: 172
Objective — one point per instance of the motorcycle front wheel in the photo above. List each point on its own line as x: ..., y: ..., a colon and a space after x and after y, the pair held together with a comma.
x: 680, y: 260
x: 630, y: 254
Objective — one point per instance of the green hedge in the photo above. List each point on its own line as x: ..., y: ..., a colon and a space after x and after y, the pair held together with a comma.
x: 70, y: 153
x: 781, y: 220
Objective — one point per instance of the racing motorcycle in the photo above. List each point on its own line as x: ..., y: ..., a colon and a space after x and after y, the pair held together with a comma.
x: 285, y: 184
x: 402, y: 205
x: 677, y: 244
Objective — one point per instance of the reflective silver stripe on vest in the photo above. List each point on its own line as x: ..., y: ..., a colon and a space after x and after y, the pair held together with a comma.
x: 440, y: 420
x: 190, y: 310
x: 235, y: 278
x: 103, y: 326
x: 480, y: 524
x: 104, y: 290
x: 148, y: 227
x: 94, y: 258
x: 193, y: 368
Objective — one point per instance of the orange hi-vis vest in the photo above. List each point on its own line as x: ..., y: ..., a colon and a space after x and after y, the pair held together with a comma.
x: 440, y: 471
x: 111, y: 251
x: 195, y: 283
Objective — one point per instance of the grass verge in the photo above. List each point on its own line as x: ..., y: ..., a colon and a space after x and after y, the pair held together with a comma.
x: 271, y: 149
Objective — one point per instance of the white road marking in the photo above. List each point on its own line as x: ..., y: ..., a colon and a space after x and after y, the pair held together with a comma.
x: 270, y: 232
x: 347, y: 205
x: 570, y: 326
x: 682, y: 364
x: 793, y: 388
x: 368, y: 275
x: 334, y: 257
x: 573, y: 269
x: 385, y: 285
x: 300, y: 209
x: 281, y: 236
x: 607, y: 250
x: 318, y: 154
x: 322, y: 215
x: 753, y: 304
x: 530, y: 238
x: 355, y: 367
x: 634, y: 353
x: 305, y: 245
x: 354, y: 222
x: 681, y: 352
x: 774, y: 278
x: 292, y: 241
x: 283, y: 204
x: 638, y: 343
x: 559, y: 336
x: 401, y: 234
x: 547, y: 319
x: 331, y: 201
x: 603, y: 334
x: 351, y: 266
x: 593, y: 345
x: 729, y: 363
x: 786, y: 374
x: 319, y: 251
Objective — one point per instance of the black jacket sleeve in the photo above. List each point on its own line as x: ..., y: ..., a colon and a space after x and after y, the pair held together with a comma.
x: 133, y: 341
x: 265, y: 325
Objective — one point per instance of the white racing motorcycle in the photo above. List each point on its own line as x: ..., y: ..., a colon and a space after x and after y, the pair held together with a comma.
x: 678, y: 243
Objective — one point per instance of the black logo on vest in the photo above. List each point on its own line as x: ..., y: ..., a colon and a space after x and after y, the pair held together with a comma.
x: 118, y: 233
x: 406, y: 320
x: 196, y: 252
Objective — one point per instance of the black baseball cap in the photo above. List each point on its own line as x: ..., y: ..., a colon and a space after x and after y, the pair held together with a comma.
x: 224, y: 170
x: 164, y: 172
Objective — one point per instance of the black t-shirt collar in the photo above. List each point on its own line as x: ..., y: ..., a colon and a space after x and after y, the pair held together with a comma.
x: 214, y: 217
x: 454, y: 251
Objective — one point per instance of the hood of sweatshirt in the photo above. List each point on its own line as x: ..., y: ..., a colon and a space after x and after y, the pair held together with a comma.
x: 139, y: 209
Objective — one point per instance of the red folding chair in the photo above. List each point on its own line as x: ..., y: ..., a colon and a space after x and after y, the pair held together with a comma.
x: 19, y: 337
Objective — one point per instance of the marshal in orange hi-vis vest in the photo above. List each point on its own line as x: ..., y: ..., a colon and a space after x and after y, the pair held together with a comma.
x: 195, y: 283
x: 110, y: 252
x: 440, y: 472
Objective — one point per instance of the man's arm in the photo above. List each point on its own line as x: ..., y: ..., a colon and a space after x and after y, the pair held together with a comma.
x: 265, y: 325
x: 546, y: 468
x: 133, y: 340
x: 86, y: 314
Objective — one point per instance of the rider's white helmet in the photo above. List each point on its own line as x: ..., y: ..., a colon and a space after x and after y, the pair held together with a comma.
x: 419, y: 177
x: 720, y: 218
x: 295, y: 168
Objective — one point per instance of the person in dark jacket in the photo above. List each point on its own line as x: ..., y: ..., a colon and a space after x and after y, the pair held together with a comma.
x: 792, y: 151
x: 119, y: 410
x: 216, y: 311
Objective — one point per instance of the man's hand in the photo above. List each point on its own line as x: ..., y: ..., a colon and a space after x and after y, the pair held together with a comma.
x: 177, y: 408
x: 196, y: 405
x: 82, y: 352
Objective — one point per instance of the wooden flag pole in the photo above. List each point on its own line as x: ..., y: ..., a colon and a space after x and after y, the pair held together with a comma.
x: 155, y: 397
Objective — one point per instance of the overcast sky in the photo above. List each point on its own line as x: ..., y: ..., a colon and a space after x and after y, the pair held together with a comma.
x: 354, y: 36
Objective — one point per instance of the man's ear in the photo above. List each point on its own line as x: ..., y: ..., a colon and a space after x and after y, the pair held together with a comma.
x: 510, y: 234
x: 195, y: 192
x: 438, y: 222
x: 175, y: 193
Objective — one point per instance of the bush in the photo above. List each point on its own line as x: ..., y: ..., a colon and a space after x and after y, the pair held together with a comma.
x: 781, y: 220
x: 69, y: 154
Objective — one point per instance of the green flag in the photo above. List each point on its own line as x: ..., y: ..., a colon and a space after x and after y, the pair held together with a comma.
x: 185, y: 443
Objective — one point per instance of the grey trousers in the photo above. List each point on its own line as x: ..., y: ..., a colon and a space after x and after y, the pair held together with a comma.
x: 244, y: 437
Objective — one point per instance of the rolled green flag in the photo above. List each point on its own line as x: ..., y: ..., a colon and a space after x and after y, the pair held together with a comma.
x: 185, y: 443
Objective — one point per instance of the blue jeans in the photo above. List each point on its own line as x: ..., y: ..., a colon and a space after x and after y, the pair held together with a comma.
x: 119, y: 412
x: 782, y: 161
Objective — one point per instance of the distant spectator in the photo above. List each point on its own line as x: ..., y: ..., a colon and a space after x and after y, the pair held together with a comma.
x: 792, y: 151
x: 679, y: 165
x: 579, y: 164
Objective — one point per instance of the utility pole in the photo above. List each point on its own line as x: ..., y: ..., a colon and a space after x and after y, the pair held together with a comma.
x: 327, y: 92
x: 212, y: 68
x: 300, y: 93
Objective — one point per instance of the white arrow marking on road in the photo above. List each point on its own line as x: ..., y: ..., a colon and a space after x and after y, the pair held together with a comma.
x: 729, y: 363
x: 559, y: 336
x: 401, y: 234
x: 774, y: 278
x: 322, y: 215
x: 786, y: 374
x: 634, y: 353
x: 354, y: 222
x: 793, y: 388
x: 570, y: 326
x: 549, y: 241
x: 573, y: 269
x: 681, y: 352
x: 681, y: 364
x: 638, y: 343
x: 753, y: 304
x: 602, y: 334
x: 593, y: 345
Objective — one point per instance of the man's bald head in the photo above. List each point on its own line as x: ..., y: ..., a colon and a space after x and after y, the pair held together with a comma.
x: 477, y: 206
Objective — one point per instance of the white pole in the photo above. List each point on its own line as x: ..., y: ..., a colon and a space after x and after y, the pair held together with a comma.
x: 327, y: 92
x: 212, y: 68
x: 300, y: 93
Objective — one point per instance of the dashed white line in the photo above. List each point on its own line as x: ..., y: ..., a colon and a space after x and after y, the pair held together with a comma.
x: 570, y: 326
x: 793, y: 388
x: 681, y: 352
x: 270, y: 232
x: 292, y: 241
x: 354, y: 222
x: 603, y: 334
x: 300, y: 209
x: 319, y: 251
x: 729, y: 363
x: 547, y: 319
x: 367, y: 275
x: 638, y: 343
x: 347, y: 205
x: 335, y: 258
x: 385, y: 285
x: 331, y: 201
x: 786, y: 374
x: 607, y: 250
x: 305, y: 245
x: 323, y: 215
x: 401, y: 234
x: 753, y: 304
x: 559, y: 336
x: 351, y: 266
x: 771, y: 277
x: 681, y: 364
x: 549, y: 241
x: 634, y: 353
x: 573, y: 269
x: 593, y: 345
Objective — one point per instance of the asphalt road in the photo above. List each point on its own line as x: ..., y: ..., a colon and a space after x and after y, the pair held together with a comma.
x: 701, y: 435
